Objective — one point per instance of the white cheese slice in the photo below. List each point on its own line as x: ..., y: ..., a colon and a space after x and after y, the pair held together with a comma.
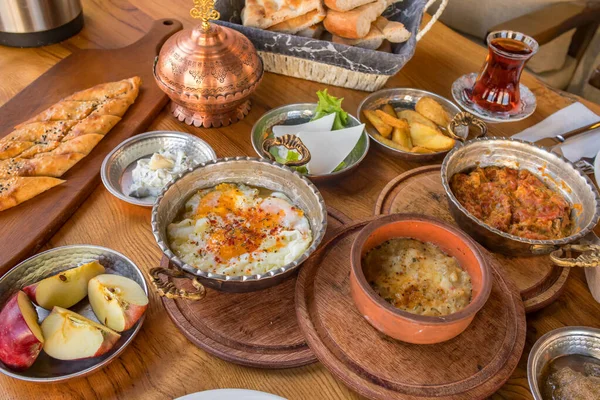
x: 320, y: 125
x: 329, y: 149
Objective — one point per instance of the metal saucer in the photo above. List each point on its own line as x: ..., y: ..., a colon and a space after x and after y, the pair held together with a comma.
x: 466, y: 82
x: 406, y: 98
x: 294, y: 114
x: 118, y: 165
x: 51, y: 262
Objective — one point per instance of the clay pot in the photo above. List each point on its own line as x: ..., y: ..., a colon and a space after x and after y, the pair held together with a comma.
x: 402, y: 325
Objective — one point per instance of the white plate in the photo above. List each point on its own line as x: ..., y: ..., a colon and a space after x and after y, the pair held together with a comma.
x: 597, y: 169
x: 230, y: 394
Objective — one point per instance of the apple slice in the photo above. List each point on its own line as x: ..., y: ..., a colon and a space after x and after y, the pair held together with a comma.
x: 70, y: 336
x: 64, y: 289
x: 118, y: 302
x: 21, y: 338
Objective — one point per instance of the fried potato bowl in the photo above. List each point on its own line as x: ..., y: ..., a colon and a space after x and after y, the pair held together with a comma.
x: 399, y: 129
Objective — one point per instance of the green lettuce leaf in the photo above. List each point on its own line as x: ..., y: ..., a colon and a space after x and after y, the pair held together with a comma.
x: 290, y: 156
x: 328, y: 104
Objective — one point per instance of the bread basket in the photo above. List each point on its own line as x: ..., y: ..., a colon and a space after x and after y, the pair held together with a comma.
x: 333, y: 63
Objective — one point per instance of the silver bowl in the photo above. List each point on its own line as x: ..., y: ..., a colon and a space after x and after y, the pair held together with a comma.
x: 555, y: 171
x: 118, y: 165
x: 51, y: 262
x: 250, y: 171
x: 557, y: 343
x: 407, y: 98
x: 294, y: 114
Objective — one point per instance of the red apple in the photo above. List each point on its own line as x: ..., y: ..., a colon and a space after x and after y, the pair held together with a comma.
x: 70, y: 336
x: 118, y: 302
x: 21, y: 338
x: 64, y: 289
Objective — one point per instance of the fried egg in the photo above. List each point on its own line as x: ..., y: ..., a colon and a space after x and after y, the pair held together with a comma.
x: 234, y: 229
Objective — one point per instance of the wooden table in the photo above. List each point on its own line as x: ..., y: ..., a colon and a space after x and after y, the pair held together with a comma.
x: 161, y: 363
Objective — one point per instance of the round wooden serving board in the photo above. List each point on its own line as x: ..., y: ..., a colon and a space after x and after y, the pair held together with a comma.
x: 473, y: 365
x: 257, y: 329
x: 420, y: 191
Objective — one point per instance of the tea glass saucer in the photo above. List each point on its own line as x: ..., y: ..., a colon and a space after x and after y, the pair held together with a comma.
x: 462, y: 87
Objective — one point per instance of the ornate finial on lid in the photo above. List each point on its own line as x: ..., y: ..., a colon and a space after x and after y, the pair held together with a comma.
x: 205, y: 10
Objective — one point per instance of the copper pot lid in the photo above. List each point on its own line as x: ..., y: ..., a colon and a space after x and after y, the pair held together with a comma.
x: 209, y: 71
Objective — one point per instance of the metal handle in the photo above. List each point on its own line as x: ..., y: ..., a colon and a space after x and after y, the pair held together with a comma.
x: 589, y: 257
x: 465, y: 119
x: 290, y: 142
x: 167, y: 289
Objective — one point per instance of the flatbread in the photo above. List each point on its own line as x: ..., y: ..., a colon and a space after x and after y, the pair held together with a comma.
x: 295, y: 25
x: 15, y: 191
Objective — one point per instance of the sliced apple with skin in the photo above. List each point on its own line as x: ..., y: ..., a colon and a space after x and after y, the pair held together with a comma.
x: 117, y: 301
x: 64, y: 289
x: 70, y: 336
x: 21, y: 338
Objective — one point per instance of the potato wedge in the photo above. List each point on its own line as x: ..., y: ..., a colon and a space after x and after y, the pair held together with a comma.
x: 402, y: 137
x: 424, y: 136
x: 431, y: 109
x: 388, y: 109
x: 413, y: 116
x: 419, y: 149
x: 384, y: 129
x: 390, y: 143
x: 392, y: 120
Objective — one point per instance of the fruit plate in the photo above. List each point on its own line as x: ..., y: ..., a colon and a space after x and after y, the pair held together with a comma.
x: 51, y: 262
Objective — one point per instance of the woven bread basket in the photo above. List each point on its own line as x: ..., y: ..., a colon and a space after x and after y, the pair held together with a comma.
x: 332, y: 63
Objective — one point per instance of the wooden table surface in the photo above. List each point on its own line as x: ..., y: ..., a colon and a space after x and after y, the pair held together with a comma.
x: 161, y: 363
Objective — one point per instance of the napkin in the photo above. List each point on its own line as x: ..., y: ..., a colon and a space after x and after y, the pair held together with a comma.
x: 571, y: 117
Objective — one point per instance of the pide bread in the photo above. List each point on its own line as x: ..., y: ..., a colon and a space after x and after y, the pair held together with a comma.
x: 313, y: 32
x: 46, y: 146
x: 393, y: 31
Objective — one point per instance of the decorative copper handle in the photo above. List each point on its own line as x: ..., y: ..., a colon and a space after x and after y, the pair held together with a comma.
x: 589, y: 257
x: 167, y: 289
x: 290, y: 142
x: 465, y: 119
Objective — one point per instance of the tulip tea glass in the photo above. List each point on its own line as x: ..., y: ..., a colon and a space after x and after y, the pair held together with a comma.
x: 497, y: 86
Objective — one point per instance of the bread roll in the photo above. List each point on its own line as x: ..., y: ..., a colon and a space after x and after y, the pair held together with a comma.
x: 297, y: 24
x: 266, y: 13
x: 393, y: 31
x: 372, y: 41
x: 354, y: 24
x: 345, y: 5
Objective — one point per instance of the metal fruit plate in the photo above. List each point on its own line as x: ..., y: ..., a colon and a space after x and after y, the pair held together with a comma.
x: 118, y: 165
x: 51, y: 262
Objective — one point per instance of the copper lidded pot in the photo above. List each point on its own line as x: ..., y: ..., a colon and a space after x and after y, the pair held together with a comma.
x: 208, y: 72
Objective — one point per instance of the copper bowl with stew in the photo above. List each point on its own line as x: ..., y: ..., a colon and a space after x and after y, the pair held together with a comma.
x: 404, y: 325
x: 239, y: 170
x: 552, y: 169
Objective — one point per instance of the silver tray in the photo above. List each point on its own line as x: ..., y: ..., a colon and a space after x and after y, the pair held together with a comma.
x: 118, y: 165
x: 51, y: 262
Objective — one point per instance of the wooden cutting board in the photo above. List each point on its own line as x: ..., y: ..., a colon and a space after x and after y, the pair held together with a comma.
x: 28, y: 226
x: 472, y: 365
x: 420, y: 191
x: 257, y: 329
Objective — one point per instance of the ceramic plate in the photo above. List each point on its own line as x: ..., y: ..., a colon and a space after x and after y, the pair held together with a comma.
x: 465, y: 83
x: 118, y: 165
